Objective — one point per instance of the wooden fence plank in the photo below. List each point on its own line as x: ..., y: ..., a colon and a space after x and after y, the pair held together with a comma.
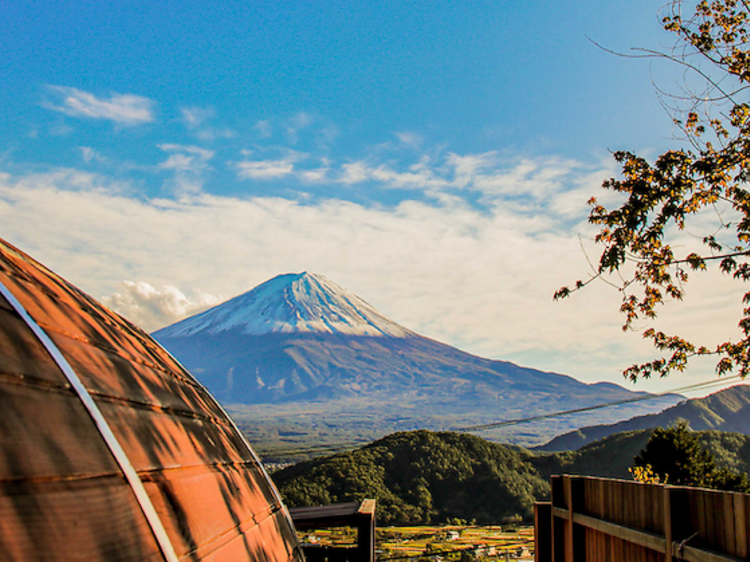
x: 667, y: 521
x: 633, y: 536
x: 568, y: 495
x: 693, y: 554
x: 728, y: 523
x: 740, y: 525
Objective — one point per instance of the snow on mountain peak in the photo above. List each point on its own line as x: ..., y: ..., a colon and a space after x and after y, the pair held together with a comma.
x: 293, y: 302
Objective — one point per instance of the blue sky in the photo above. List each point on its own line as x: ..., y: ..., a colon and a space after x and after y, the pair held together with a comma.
x: 432, y: 157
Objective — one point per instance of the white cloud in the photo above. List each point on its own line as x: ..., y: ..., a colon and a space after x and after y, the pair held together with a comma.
x: 264, y: 169
x: 354, y: 172
x: 153, y: 308
x: 125, y: 109
x: 409, y: 139
x: 467, y: 168
x: 196, y: 119
x: 188, y: 164
x: 90, y: 155
x: 314, y: 176
x: 264, y: 128
x: 525, y: 183
x: 480, y: 280
x: 296, y: 124
x: 186, y: 158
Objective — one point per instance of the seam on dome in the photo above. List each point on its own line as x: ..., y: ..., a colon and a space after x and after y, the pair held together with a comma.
x: 144, y: 501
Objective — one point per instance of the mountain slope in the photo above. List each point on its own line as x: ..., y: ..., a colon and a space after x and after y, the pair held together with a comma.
x: 422, y: 477
x: 727, y: 410
x: 301, y: 339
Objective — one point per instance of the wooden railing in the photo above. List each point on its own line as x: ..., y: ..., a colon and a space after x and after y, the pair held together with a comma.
x: 598, y: 519
x: 360, y: 516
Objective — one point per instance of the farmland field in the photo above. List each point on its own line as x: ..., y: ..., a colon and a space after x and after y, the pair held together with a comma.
x: 437, y: 542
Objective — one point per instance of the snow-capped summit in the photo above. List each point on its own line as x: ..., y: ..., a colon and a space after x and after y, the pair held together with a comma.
x: 294, y: 302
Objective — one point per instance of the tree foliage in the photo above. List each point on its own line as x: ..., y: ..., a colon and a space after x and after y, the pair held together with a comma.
x: 661, y: 199
x: 675, y: 456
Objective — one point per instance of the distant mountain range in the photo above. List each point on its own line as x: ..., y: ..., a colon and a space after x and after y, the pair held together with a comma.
x: 302, y: 339
x: 727, y: 410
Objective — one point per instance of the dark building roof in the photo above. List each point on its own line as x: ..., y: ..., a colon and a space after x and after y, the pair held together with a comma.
x: 109, y: 449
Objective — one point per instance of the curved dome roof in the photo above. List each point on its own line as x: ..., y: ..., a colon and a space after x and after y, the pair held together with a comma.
x: 109, y: 449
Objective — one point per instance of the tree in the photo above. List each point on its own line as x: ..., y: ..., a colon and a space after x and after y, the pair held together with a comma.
x: 674, y: 456
x: 662, y: 198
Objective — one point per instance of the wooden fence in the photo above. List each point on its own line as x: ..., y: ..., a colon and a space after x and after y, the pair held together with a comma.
x: 599, y: 519
x: 360, y: 516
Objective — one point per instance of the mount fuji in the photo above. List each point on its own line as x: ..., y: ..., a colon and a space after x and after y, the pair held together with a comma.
x: 300, y: 342
x: 301, y: 302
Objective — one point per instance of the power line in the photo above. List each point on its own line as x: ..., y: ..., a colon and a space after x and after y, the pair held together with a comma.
x: 515, y: 421
x: 504, y: 423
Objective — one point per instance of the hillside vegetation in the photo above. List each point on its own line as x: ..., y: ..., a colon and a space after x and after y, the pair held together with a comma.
x: 727, y: 410
x: 422, y: 477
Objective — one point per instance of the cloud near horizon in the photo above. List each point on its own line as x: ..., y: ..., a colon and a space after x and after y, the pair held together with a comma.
x: 124, y: 109
x: 481, y: 280
x: 152, y: 308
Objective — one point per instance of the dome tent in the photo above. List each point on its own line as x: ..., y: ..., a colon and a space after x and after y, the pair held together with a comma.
x: 109, y: 449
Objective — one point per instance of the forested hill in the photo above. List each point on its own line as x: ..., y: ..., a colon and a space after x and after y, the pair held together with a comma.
x: 612, y: 456
x: 727, y: 410
x: 422, y: 477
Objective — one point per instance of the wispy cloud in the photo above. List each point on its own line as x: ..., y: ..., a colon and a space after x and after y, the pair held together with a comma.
x: 530, y: 182
x: 268, y: 168
x: 188, y: 164
x: 466, y: 168
x: 264, y: 128
x: 294, y: 125
x: 410, y: 139
x: 418, y: 176
x: 186, y: 158
x: 90, y: 155
x: 124, y: 109
x: 196, y: 119
x: 264, y: 169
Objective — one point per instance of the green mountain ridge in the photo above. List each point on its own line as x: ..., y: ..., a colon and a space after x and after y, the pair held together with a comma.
x: 726, y: 410
x: 422, y: 477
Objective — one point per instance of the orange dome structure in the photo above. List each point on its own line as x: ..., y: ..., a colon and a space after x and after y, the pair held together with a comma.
x: 109, y: 449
